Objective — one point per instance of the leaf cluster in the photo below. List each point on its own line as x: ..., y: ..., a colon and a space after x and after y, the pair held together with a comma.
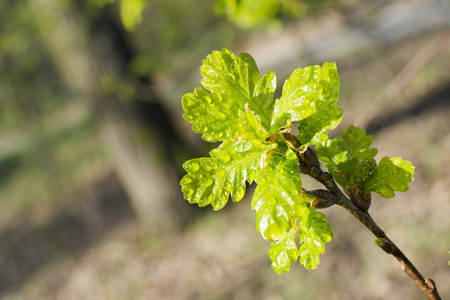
x: 236, y: 107
x: 350, y: 160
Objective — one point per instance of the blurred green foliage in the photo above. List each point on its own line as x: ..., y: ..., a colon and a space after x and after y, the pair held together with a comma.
x: 248, y: 14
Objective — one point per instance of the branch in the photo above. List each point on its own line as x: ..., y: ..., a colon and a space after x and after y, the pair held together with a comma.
x: 310, y: 165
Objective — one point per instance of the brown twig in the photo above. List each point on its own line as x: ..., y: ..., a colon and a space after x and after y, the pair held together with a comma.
x: 309, y: 164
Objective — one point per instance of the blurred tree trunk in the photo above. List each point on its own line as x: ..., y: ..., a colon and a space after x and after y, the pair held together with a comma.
x: 138, y: 144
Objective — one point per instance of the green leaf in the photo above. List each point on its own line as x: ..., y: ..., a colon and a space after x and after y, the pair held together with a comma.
x: 351, y: 143
x: 343, y: 154
x: 131, y: 12
x: 389, y: 176
x: 238, y: 81
x: 315, y: 231
x: 309, y: 96
x: 282, y: 252
x: 278, y: 196
x: 248, y: 14
x: 212, y: 115
x: 211, y: 180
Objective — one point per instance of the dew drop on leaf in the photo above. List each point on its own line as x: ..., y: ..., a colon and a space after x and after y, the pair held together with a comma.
x: 188, y: 192
x: 221, y: 173
x: 272, y: 201
x: 274, y: 183
x: 224, y: 157
x: 194, y: 167
x: 189, y: 102
x: 306, y: 112
x: 186, y: 180
x: 221, y: 116
x: 208, y: 182
x: 238, y: 192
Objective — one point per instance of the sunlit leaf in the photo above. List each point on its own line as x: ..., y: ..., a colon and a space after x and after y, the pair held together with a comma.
x: 278, y: 196
x: 282, y: 252
x: 309, y: 96
x: 211, y: 180
x: 315, y: 232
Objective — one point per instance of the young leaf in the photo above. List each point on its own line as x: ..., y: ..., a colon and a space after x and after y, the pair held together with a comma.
x: 238, y: 81
x: 211, y: 180
x: 344, y: 154
x: 315, y: 231
x: 278, y: 196
x: 282, y: 252
x: 309, y: 96
x: 389, y: 176
x: 351, y: 143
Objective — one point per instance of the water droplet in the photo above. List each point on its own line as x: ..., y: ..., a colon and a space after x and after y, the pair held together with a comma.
x: 238, y: 193
x: 221, y: 116
x: 207, y: 168
x: 221, y: 173
x: 188, y: 192
x: 204, y: 71
x: 209, y: 198
x: 205, y: 129
x: 305, y: 101
x: 186, y: 180
x: 261, y: 181
x: 219, y: 67
x: 188, y: 102
x: 232, y: 77
x: 224, y: 157
x: 208, y: 182
x: 208, y: 99
x: 272, y: 201
x: 188, y: 118
x: 194, y: 167
x: 227, y: 186
x: 306, y: 112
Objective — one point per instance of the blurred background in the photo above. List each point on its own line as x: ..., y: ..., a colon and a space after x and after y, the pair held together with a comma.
x: 92, y: 141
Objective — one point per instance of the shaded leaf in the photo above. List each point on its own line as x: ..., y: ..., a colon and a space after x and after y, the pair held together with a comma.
x: 390, y: 175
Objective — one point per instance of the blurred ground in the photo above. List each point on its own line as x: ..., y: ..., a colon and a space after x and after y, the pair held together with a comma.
x: 83, y: 242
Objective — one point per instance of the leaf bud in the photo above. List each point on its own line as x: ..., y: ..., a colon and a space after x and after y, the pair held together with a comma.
x: 324, y: 198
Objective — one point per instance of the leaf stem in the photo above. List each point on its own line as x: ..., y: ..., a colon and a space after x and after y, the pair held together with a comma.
x: 310, y: 165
